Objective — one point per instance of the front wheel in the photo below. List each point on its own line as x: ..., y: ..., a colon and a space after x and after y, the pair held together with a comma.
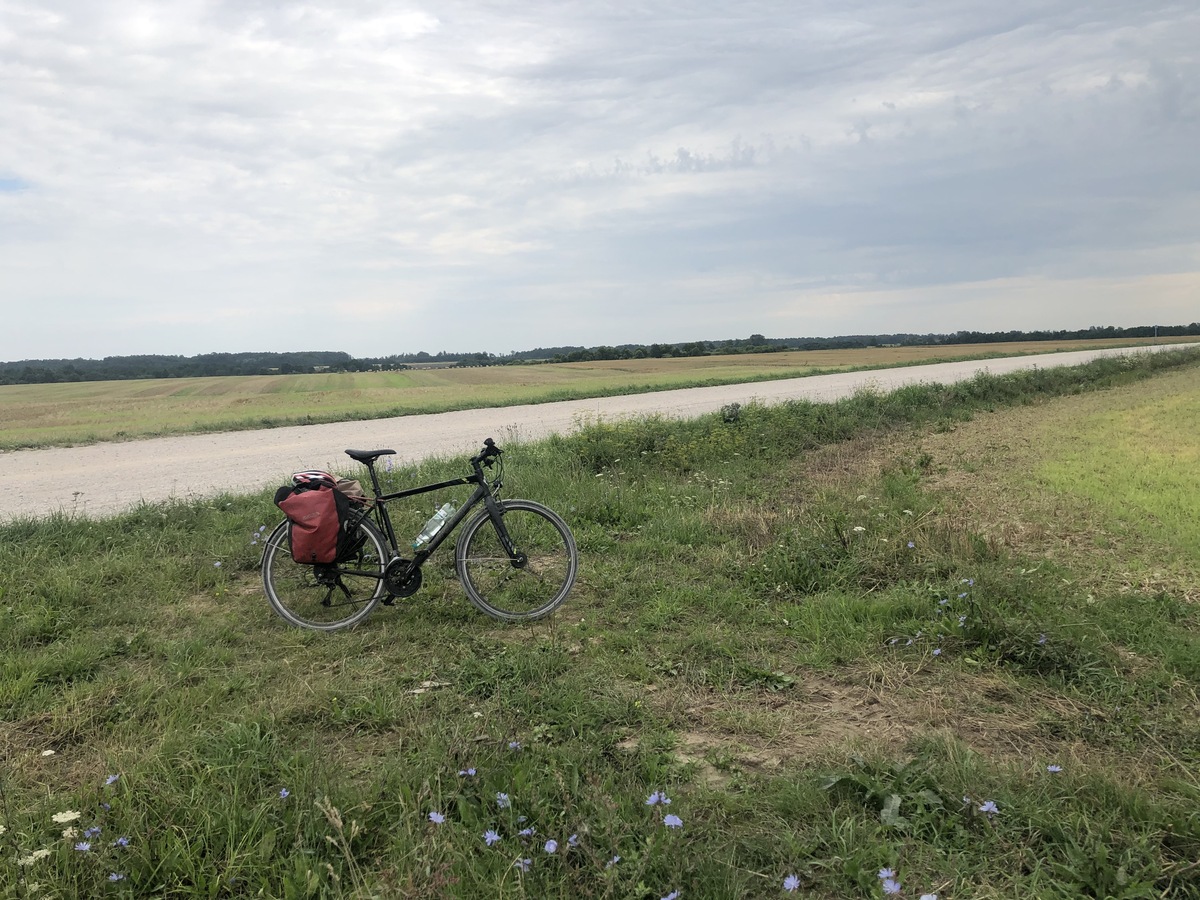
x: 325, y: 597
x: 532, y: 583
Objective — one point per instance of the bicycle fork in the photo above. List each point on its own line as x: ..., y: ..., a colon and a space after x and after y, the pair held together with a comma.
x: 496, y: 514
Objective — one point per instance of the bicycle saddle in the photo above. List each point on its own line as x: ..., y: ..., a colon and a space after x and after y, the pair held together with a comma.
x: 367, y: 455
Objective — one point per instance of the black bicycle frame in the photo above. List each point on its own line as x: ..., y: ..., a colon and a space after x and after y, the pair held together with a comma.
x: 482, y: 492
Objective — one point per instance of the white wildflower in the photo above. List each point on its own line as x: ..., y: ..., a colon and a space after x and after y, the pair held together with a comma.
x: 67, y: 815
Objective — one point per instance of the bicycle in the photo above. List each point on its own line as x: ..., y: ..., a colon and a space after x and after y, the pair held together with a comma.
x: 519, y: 569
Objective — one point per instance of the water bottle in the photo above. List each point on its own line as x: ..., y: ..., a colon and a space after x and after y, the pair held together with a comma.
x: 434, y: 525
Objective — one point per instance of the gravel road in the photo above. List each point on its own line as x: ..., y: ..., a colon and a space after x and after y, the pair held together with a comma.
x: 103, y: 479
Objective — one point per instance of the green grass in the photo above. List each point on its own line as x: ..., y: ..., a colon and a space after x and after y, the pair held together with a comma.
x: 752, y: 633
x: 1138, y: 463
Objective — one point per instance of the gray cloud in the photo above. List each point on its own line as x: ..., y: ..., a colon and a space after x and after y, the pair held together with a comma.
x: 500, y: 175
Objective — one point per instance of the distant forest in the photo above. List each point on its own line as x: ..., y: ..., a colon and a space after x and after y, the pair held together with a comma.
x: 118, y: 368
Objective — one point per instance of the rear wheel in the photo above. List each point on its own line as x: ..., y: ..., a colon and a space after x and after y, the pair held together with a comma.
x: 536, y: 581
x: 325, y: 597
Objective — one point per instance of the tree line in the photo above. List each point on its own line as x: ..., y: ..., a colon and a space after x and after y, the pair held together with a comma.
x: 118, y: 368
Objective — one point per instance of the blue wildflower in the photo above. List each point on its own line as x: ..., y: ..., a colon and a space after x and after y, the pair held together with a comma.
x: 490, y: 837
x: 117, y: 876
x: 502, y: 800
x: 551, y: 846
x: 523, y: 864
x: 436, y: 818
x: 1053, y: 768
x: 673, y: 821
x: 791, y: 884
x: 83, y: 846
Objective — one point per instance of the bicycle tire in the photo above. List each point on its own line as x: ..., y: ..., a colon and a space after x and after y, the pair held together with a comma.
x: 325, y: 598
x: 518, y: 592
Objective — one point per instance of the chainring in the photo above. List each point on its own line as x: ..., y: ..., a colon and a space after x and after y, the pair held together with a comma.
x: 399, y: 580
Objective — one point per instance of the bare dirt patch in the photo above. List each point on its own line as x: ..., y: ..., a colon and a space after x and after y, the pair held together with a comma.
x: 881, y: 710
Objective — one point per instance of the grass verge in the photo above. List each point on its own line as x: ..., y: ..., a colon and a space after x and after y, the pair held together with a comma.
x: 791, y: 622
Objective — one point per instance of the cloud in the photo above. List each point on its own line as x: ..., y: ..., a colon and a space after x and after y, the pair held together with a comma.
x: 497, y: 175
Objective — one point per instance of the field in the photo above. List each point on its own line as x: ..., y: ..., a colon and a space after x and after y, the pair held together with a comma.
x: 36, y: 415
x: 944, y: 640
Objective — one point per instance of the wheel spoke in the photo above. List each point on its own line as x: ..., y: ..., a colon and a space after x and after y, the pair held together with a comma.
x: 304, y: 595
x: 513, y: 592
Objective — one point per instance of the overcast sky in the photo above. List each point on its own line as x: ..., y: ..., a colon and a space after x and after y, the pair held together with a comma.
x: 198, y: 176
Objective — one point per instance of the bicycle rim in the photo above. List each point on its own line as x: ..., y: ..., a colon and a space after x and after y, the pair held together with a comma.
x: 324, y: 598
x: 529, y: 589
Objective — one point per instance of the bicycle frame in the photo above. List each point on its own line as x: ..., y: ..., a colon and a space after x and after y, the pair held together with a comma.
x: 484, y: 492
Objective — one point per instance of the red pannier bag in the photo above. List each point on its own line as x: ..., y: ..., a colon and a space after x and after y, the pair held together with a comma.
x: 316, y: 511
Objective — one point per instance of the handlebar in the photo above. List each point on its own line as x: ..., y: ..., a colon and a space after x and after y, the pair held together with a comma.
x: 490, y: 451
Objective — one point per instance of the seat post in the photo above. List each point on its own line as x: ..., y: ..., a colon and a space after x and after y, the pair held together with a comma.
x: 370, y: 464
x: 367, y: 458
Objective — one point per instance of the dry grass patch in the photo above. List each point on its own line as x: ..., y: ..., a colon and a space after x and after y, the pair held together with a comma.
x: 990, y: 478
x: 884, y: 709
x: 989, y: 475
